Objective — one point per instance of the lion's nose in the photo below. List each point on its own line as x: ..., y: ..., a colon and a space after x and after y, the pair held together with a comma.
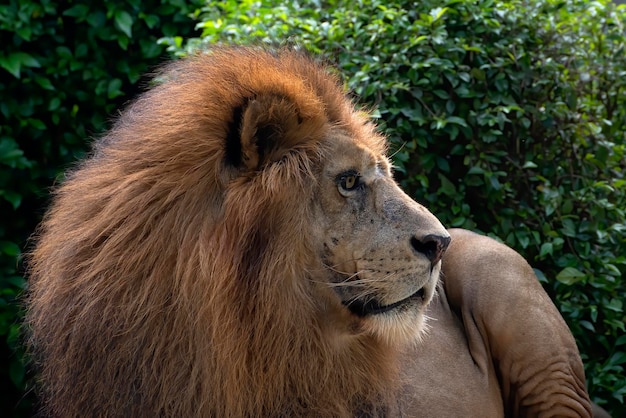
x: 432, y: 246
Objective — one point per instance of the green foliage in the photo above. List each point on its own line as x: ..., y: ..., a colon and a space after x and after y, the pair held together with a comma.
x: 64, y: 68
x: 507, y: 117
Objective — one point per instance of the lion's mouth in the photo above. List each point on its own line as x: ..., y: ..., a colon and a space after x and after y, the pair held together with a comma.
x: 373, y: 307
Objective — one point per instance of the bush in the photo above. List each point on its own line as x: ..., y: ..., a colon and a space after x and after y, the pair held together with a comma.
x: 64, y: 67
x: 507, y: 117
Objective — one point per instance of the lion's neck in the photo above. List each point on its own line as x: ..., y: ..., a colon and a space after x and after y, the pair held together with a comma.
x: 288, y: 353
x: 358, y: 381
x: 292, y: 368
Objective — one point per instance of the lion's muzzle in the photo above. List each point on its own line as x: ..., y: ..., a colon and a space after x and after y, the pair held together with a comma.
x: 432, y: 246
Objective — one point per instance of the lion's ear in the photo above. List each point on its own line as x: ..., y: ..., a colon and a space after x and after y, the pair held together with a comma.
x: 268, y: 128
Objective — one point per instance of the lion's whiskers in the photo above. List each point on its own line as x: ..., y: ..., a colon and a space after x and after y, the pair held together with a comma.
x: 358, y: 282
x: 334, y: 266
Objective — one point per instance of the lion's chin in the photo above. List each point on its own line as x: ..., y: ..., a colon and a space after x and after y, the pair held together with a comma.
x: 399, y: 326
x: 400, y: 322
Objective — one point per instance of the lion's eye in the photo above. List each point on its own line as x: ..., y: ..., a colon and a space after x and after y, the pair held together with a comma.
x: 349, y: 181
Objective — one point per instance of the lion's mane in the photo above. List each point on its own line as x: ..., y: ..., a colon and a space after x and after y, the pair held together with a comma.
x: 168, y: 279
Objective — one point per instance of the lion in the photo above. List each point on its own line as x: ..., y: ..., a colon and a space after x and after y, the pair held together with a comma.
x: 236, y: 246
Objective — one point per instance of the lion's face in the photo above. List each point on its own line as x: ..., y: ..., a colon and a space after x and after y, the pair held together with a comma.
x: 381, y: 249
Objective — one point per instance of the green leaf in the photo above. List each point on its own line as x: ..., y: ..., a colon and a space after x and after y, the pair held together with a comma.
x: 113, y: 89
x: 15, y: 199
x: 28, y: 60
x: 588, y: 325
x: 37, y: 124
x: 569, y: 228
x: 618, y: 358
x: 442, y: 94
x: 64, y: 52
x: 540, y: 276
x: 9, y: 248
x: 620, y: 340
x: 464, y: 76
x: 123, y: 42
x: 25, y: 33
x: 124, y: 22
x: 16, y: 372
x: 96, y: 19
x: 478, y: 74
x: 54, y: 104
x: 569, y: 276
x: 546, y: 248
x: 447, y: 187
x: 16, y: 60
x: 78, y: 10
x: 151, y: 20
x: 457, y: 120
x: 475, y: 170
x: 44, y: 83
x: 615, y: 305
x: 525, y: 122
x: 438, y: 12
x: 17, y: 282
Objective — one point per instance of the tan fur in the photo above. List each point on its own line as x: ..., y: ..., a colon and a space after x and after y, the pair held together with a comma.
x: 497, y: 346
x: 212, y: 259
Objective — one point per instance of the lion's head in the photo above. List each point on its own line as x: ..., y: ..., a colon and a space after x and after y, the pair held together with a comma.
x: 235, y: 246
x: 381, y: 250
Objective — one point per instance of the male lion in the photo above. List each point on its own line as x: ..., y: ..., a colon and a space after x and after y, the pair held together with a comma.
x: 236, y: 247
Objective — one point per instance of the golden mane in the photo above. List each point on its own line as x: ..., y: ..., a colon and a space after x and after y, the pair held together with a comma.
x: 171, y: 274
